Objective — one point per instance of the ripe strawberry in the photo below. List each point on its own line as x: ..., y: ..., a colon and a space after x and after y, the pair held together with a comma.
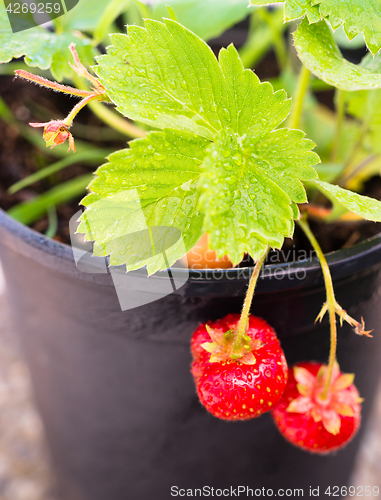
x: 200, y: 355
x: 315, y: 424
x: 238, y: 387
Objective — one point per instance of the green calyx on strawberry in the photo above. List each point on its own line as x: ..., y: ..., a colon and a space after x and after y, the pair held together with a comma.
x: 313, y: 420
x: 225, y: 346
x: 233, y: 384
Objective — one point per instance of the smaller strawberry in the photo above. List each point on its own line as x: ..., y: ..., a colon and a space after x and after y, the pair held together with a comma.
x: 310, y: 421
x: 201, y: 256
x: 56, y: 132
x: 238, y: 383
x: 200, y: 355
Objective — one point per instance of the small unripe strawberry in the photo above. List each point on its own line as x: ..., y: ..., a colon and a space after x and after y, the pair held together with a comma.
x: 241, y: 388
x: 202, y: 257
x: 56, y: 132
x: 311, y: 420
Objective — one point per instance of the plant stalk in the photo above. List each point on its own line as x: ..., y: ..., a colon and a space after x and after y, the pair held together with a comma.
x: 357, y: 145
x: 39, y: 80
x: 81, y: 70
x: 110, y: 117
x: 279, y: 43
x: 299, y: 97
x: 261, y: 39
x: 340, y: 98
x: 113, y: 120
x: 242, y: 324
x: 77, y: 108
x: 331, y: 301
x: 91, y: 156
x: 357, y: 169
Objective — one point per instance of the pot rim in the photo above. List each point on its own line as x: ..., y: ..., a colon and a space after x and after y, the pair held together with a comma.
x: 307, y: 272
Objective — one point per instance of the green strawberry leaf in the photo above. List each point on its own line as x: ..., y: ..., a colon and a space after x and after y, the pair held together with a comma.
x: 245, y: 176
x: 207, y: 18
x: 365, y: 207
x: 342, y: 40
x: 318, y: 51
x: 247, y: 191
x: 294, y: 9
x: 356, y: 16
x: 42, y: 48
x: 164, y: 76
x: 150, y: 185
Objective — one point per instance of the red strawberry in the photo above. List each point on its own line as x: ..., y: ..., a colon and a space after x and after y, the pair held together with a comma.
x: 243, y: 388
x: 311, y: 422
x: 201, y: 336
x: 200, y: 355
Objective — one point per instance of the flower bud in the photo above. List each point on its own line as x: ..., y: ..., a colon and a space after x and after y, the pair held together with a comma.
x: 56, y: 133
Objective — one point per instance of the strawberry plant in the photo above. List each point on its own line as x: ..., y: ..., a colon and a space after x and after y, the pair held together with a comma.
x: 221, y: 152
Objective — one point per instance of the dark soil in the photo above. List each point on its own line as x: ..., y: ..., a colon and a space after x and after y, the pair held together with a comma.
x: 18, y: 159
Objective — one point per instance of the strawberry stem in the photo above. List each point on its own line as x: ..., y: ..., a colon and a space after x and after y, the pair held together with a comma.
x: 77, y: 108
x: 298, y: 98
x: 81, y: 70
x: 110, y: 117
x: 240, y: 332
x: 331, y: 301
x: 39, y: 80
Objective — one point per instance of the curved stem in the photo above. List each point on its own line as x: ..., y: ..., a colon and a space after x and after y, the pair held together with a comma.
x: 298, y: 99
x: 331, y: 301
x: 344, y: 179
x: 279, y: 41
x: 115, y: 121
x: 340, y: 98
x: 39, y: 80
x: 356, y: 147
x: 242, y: 324
x: 261, y: 37
x: 111, y: 118
x: 77, y: 108
x: 80, y: 69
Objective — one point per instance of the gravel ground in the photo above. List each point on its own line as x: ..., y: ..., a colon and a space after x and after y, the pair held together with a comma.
x: 25, y: 473
x: 368, y: 469
x: 24, y: 466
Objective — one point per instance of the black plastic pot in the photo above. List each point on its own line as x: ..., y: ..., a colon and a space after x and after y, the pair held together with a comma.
x: 114, y: 388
